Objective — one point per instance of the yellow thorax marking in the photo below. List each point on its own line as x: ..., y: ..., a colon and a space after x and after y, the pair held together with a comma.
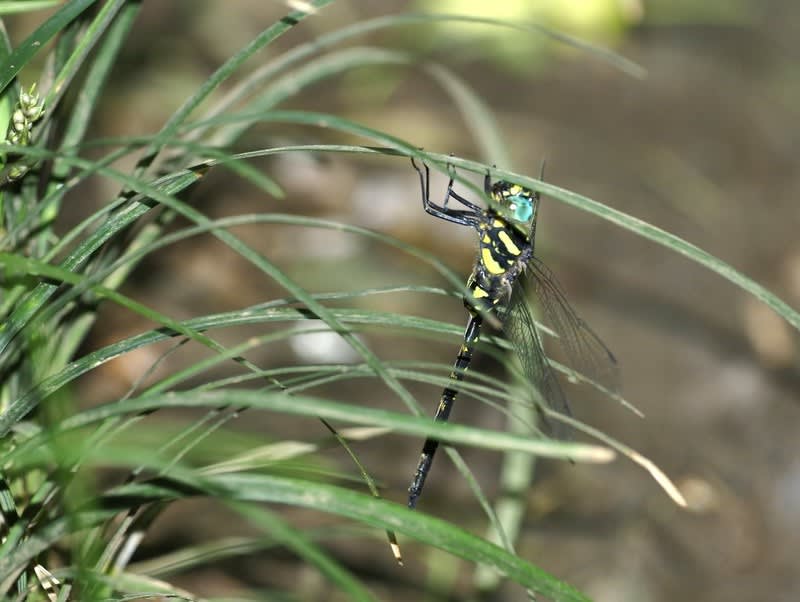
x: 506, y: 240
x: 490, y: 263
x: 479, y: 293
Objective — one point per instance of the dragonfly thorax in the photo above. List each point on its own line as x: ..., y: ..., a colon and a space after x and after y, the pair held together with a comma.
x: 502, y: 256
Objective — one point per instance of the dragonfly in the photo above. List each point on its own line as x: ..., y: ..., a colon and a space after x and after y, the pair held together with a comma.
x: 506, y: 271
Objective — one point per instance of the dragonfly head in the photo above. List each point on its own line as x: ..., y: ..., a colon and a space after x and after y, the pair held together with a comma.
x: 516, y: 204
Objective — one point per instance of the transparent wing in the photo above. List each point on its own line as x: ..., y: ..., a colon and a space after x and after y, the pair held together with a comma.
x: 585, y: 351
x: 521, y: 331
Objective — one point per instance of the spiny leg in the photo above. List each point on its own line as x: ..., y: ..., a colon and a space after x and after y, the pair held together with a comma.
x: 424, y: 182
x: 452, y: 194
x: 458, y: 216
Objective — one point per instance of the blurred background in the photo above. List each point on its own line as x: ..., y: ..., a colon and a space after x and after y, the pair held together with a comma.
x: 704, y: 146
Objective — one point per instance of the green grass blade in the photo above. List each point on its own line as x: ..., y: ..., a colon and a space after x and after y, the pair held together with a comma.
x: 368, y: 510
x: 92, y: 360
x: 16, y: 264
x: 35, y: 300
x: 604, y: 54
x: 266, y: 37
x: 278, y: 276
x: 23, y: 54
x: 643, y: 229
x: 271, y: 70
x: 92, y: 87
x: 303, y: 405
x: 12, y: 7
x: 298, y: 493
x: 584, y: 203
x: 296, y: 81
x: 294, y: 540
x: 100, y: 23
x: 476, y: 115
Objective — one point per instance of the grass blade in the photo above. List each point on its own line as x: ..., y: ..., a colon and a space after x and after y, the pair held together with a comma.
x: 23, y: 54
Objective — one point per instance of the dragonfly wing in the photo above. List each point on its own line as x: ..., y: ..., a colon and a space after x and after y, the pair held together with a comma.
x: 520, y: 329
x: 585, y: 351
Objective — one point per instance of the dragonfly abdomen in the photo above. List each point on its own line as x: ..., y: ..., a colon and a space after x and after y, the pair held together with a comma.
x: 463, y: 360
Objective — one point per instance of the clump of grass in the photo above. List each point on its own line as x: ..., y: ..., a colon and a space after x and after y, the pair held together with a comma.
x: 81, y: 486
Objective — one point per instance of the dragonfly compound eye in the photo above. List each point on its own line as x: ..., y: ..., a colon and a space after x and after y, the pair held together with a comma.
x: 518, y: 201
x: 521, y: 207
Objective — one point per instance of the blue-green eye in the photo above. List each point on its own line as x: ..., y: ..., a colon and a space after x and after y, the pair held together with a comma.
x: 521, y: 207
